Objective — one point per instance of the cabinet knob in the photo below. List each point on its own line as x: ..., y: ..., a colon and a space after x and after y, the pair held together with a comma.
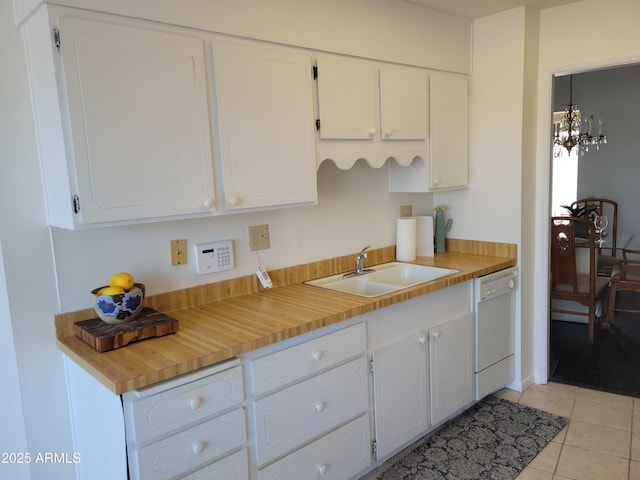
x: 372, y: 131
x: 195, y: 403
x: 436, y: 334
x: 322, y: 469
x: 436, y: 181
x: 198, y: 448
x: 319, y: 407
x: 422, y: 340
x: 233, y: 201
x: 511, y: 284
x: 317, y: 356
x: 209, y: 202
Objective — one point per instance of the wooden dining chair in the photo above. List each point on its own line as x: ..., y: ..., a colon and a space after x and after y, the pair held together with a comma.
x: 567, y: 283
x: 607, y: 256
x: 624, y: 278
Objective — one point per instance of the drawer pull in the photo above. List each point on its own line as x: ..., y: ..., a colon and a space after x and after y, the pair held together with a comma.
x: 320, y: 407
x: 317, y: 356
x: 198, y: 448
x: 195, y: 403
x: 322, y: 469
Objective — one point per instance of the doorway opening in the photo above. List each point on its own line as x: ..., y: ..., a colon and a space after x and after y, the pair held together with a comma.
x: 610, y: 363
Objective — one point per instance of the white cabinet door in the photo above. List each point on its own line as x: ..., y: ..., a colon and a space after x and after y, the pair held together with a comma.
x: 139, y: 124
x: 347, y: 90
x: 265, y: 123
x: 449, y: 110
x: 451, y: 366
x: 404, y: 106
x: 447, y: 165
x: 400, y: 392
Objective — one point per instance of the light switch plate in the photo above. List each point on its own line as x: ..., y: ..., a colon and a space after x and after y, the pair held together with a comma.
x: 214, y: 257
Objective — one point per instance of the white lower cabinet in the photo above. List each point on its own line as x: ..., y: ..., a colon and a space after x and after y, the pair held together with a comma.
x: 183, y: 425
x: 287, y: 419
x: 311, y: 409
x: 400, y: 386
x: 337, y: 456
x: 451, y: 366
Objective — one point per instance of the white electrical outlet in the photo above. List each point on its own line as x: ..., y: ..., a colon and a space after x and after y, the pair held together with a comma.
x: 214, y: 257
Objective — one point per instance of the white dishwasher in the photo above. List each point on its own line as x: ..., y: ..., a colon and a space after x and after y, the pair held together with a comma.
x: 494, y: 326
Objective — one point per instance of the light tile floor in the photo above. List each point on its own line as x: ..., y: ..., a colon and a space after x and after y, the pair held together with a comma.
x: 601, y: 442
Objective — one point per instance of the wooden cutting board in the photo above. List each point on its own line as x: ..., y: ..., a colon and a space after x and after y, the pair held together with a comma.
x: 105, y: 336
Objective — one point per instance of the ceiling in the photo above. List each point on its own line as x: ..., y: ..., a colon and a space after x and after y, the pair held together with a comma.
x: 481, y: 8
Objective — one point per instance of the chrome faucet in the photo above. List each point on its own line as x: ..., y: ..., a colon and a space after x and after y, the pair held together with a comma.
x: 360, y: 260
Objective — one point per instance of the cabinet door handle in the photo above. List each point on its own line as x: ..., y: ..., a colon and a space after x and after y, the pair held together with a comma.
x: 198, y: 448
x: 322, y: 469
x: 372, y: 131
x: 319, y: 407
x: 195, y: 403
x: 422, y: 340
x: 317, y: 356
x: 209, y: 202
x: 511, y: 284
x: 233, y: 201
x: 436, y: 334
x: 388, y: 132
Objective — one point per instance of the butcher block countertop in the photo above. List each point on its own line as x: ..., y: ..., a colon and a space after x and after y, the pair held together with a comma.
x: 221, y: 320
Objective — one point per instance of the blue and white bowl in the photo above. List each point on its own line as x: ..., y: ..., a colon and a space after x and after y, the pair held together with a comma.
x: 120, y: 307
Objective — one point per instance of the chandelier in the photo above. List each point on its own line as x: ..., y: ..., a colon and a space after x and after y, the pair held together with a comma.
x: 571, y: 132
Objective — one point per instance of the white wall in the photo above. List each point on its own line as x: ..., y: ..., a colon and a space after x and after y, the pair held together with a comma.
x: 491, y: 209
x: 606, y: 35
x: 354, y: 209
x: 14, y: 435
x: 30, y: 281
x: 397, y: 31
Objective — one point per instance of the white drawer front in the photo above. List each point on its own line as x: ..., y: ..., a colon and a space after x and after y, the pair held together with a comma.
x: 289, y: 365
x: 195, y: 446
x: 299, y: 413
x: 173, y: 409
x: 339, y: 455
x: 233, y: 467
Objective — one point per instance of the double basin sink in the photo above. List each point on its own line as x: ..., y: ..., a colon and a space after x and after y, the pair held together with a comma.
x: 382, y: 279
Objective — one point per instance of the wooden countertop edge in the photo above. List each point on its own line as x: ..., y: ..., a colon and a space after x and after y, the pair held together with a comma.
x: 148, y: 362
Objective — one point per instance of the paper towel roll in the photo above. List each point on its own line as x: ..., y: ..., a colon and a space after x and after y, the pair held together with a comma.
x: 406, y: 239
x: 424, y: 240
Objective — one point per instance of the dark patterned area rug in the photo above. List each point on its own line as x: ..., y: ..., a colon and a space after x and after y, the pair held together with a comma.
x: 495, y: 439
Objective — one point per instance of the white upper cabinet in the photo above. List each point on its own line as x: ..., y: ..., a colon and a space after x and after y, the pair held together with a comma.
x: 447, y: 165
x: 135, y: 127
x: 347, y: 98
x: 360, y: 99
x: 365, y: 105
x: 449, y: 111
x: 265, y: 120
x: 404, y: 106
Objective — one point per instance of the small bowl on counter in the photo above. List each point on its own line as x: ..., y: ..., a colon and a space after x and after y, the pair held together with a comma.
x: 118, y: 307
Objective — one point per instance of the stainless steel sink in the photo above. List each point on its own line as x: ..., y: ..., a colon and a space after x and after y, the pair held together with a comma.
x: 382, y: 279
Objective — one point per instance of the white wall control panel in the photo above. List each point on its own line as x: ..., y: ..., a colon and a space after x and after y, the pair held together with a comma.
x: 214, y: 256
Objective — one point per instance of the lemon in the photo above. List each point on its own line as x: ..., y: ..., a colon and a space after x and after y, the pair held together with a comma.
x: 111, y: 291
x: 123, y: 280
